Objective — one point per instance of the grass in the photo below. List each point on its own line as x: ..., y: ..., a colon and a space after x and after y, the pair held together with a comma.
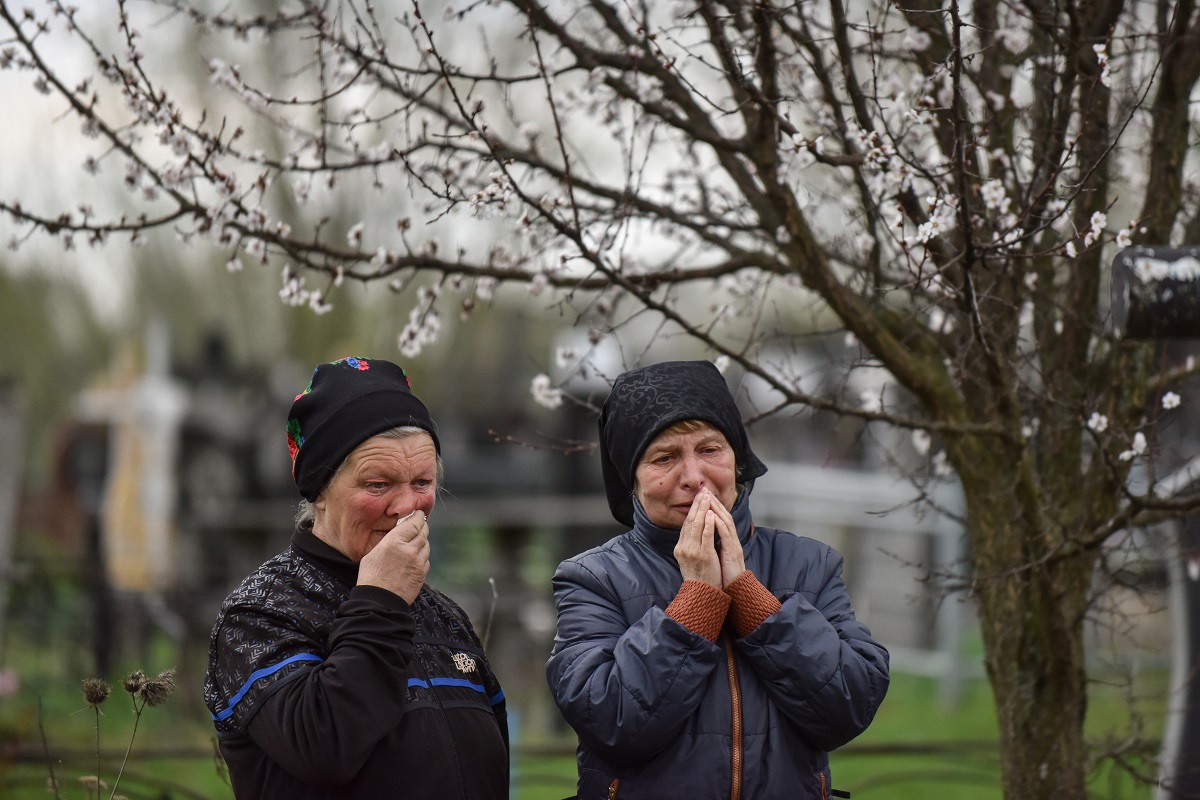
x: 917, y: 748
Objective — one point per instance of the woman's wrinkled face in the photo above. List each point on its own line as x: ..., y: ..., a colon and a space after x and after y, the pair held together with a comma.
x: 675, y: 466
x: 383, y: 480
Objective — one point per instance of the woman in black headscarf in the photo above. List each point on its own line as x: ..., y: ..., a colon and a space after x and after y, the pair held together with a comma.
x: 698, y: 656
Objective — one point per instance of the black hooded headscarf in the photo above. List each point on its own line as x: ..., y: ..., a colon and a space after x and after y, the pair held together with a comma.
x: 646, y: 401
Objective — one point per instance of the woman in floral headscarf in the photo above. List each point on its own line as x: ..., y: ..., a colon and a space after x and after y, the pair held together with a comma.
x: 697, y: 655
x: 334, y: 669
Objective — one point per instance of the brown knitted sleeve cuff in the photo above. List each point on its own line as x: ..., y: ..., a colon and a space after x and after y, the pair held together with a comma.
x: 700, y: 607
x: 752, y: 603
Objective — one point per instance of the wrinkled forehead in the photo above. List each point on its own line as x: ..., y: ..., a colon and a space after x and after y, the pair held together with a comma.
x: 689, y: 429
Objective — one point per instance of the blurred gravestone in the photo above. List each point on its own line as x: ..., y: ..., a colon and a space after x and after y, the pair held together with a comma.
x: 1156, y: 297
x: 1156, y: 293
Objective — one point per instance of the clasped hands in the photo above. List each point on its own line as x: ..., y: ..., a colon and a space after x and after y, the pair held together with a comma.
x: 696, y: 552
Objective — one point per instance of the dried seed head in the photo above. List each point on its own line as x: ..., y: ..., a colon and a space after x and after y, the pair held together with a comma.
x: 92, y: 783
x: 156, y: 691
x: 134, y: 682
x: 95, y: 691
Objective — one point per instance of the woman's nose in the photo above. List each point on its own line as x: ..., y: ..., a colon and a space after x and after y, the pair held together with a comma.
x: 691, y: 475
x: 401, y: 504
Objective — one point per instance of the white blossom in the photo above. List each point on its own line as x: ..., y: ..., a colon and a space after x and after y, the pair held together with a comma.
x: 1098, y: 423
x: 544, y: 392
x: 485, y: 287
x: 1137, y: 448
x: 292, y: 292
x: 1170, y: 400
x: 921, y: 441
x: 1101, y: 52
x: 566, y: 356
x: 870, y: 401
x: 1099, y: 220
x: 994, y: 196
x: 354, y: 235
x: 256, y: 248
x: 424, y: 325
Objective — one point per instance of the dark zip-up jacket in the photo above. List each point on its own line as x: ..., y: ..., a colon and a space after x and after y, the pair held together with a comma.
x: 322, y: 689
x: 663, y: 712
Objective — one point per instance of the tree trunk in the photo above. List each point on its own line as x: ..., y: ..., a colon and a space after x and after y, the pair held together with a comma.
x: 1031, y: 600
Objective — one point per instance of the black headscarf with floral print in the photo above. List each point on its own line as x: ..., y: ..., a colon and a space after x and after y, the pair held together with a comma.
x: 646, y: 401
x: 345, y: 403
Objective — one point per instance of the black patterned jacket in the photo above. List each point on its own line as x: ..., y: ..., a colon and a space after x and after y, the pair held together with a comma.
x: 322, y: 689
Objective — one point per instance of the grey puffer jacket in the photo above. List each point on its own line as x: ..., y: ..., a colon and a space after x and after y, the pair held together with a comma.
x: 656, y: 706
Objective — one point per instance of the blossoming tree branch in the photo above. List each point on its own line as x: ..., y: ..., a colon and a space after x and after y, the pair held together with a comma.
x: 946, y: 183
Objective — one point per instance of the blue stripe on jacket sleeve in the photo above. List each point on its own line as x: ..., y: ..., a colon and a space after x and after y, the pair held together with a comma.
x: 261, y: 673
x: 463, y: 682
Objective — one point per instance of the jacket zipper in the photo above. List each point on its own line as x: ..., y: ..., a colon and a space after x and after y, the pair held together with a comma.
x: 824, y: 788
x: 735, y: 699
x: 613, y: 787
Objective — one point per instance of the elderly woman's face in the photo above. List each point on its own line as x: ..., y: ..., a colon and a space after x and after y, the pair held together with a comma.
x: 382, y: 480
x: 676, y: 466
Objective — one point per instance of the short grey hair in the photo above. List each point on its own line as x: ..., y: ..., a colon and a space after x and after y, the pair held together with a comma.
x: 307, y: 512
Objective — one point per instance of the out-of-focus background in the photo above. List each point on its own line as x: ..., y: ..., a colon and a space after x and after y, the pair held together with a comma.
x: 144, y: 471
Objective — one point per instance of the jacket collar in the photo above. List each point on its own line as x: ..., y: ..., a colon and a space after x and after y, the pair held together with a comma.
x: 324, y: 556
x: 664, y: 540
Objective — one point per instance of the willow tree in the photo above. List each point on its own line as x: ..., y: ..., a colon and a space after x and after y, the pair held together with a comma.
x: 947, y: 182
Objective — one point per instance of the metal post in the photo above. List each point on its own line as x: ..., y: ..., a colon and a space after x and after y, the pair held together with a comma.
x: 12, y: 463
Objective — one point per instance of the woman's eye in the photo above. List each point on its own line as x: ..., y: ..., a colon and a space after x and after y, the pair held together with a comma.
x: 376, y: 486
x: 422, y: 483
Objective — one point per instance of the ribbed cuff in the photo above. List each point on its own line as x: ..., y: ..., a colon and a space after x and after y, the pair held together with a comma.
x: 752, y: 603
x: 700, y: 607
